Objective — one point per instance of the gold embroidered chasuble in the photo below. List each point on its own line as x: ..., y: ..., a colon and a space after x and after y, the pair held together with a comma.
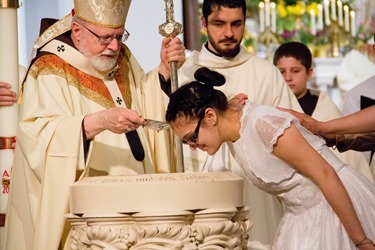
x: 60, y: 89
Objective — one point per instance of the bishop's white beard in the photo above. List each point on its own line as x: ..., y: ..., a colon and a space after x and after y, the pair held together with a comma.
x: 101, y: 62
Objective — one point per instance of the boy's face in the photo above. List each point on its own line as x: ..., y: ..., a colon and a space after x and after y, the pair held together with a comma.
x: 295, y: 75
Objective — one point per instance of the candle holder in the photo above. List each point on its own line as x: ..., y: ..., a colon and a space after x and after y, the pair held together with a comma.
x: 334, y: 39
x: 267, y: 38
x: 340, y: 40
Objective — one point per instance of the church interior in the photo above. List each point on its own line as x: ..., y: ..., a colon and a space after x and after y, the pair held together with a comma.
x: 340, y: 36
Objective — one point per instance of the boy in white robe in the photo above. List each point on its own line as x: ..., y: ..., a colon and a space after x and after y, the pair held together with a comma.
x: 294, y: 60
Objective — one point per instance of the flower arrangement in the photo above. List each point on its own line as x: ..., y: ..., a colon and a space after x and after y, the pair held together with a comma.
x: 320, y: 24
x: 294, y: 21
x: 363, y: 34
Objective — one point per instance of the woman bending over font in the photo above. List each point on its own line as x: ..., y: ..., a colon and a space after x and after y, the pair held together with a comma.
x: 328, y: 204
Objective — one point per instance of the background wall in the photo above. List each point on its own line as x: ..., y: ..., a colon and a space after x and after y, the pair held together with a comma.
x: 143, y: 20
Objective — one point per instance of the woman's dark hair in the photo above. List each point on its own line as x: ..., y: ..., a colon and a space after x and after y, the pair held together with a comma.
x: 192, y: 99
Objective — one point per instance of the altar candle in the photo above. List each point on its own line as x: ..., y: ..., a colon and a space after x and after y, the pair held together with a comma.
x: 9, y: 70
x: 326, y: 12
x: 320, y: 17
x: 346, y: 17
x: 352, y: 19
x: 268, y: 17
x: 333, y: 10
x: 273, y: 17
x: 8, y: 114
x: 339, y: 6
x: 261, y: 17
x: 312, y: 18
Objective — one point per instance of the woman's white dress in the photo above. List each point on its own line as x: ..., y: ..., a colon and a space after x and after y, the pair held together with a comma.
x: 309, y: 222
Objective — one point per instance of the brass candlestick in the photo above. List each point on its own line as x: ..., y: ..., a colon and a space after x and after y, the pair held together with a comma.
x: 334, y: 39
x: 267, y: 38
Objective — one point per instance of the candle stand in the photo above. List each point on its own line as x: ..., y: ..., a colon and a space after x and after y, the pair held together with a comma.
x: 267, y: 38
x: 331, y: 28
x: 334, y: 39
x: 340, y: 40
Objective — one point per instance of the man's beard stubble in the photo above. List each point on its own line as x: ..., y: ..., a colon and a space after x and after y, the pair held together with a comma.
x: 101, y: 62
x: 225, y: 52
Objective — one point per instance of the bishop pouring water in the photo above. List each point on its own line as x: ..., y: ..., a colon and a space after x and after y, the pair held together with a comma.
x: 83, y: 108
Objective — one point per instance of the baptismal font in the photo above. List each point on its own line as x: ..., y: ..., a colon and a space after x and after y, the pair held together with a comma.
x: 181, y: 211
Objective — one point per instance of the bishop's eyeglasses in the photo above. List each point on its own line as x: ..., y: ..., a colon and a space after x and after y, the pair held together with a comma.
x: 105, y: 40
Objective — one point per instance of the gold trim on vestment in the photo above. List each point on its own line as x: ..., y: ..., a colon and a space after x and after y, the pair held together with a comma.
x: 8, y: 4
x: 89, y: 86
x: 56, y: 29
x: 7, y: 142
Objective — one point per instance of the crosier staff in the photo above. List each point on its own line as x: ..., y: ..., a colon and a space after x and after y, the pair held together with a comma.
x: 171, y: 29
x: 9, y: 114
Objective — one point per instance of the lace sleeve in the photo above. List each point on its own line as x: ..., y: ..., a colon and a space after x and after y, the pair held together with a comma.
x: 270, y: 124
x: 261, y: 126
x: 269, y: 128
